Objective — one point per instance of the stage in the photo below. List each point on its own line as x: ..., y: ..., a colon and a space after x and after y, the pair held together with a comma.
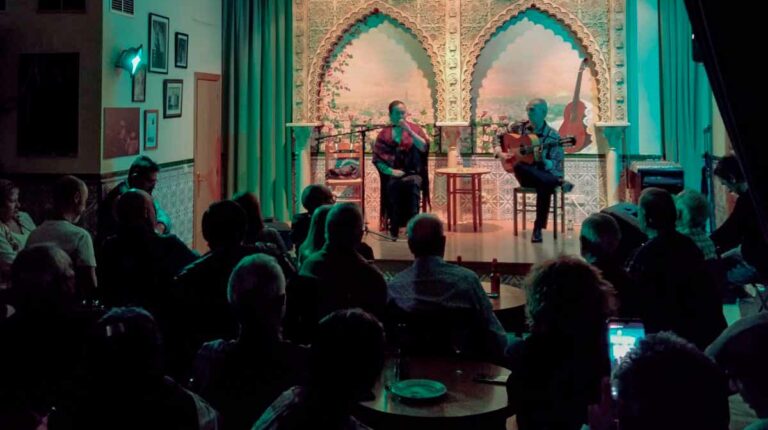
x: 478, y: 249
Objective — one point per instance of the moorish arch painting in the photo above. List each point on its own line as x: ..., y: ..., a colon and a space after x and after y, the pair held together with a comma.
x: 530, y: 56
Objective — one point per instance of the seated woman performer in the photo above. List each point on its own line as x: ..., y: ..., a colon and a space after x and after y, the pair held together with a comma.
x: 399, y: 155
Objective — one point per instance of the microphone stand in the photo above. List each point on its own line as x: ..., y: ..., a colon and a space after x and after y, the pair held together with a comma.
x: 349, y: 133
x: 367, y: 231
x: 362, y: 132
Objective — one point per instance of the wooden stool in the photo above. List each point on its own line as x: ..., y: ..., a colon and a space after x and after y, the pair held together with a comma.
x: 522, y: 191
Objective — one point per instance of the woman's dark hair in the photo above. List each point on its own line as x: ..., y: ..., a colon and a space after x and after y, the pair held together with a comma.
x: 250, y: 204
x: 395, y: 103
x: 224, y: 223
x: 729, y: 169
x: 316, y: 234
x: 568, y: 297
x: 6, y: 188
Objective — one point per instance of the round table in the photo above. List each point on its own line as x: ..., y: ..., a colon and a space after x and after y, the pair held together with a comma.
x: 509, y: 307
x: 474, y: 191
x: 467, y: 402
x: 509, y: 297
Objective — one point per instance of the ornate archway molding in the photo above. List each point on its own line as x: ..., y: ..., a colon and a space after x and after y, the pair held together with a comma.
x: 599, y: 65
x: 335, y: 35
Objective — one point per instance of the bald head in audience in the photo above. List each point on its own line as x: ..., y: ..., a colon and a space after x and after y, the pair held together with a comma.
x: 426, y: 236
x: 136, y: 209
x: 256, y: 292
x: 69, y: 197
x: 599, y: 237
x: 344, y: 226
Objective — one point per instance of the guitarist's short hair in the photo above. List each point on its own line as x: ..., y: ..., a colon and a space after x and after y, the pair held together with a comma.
x: 539, y: 101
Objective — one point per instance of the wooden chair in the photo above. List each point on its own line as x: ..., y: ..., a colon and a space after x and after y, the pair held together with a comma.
x: 523, y: 207
x: 436, y: 332
x: 335, y: 153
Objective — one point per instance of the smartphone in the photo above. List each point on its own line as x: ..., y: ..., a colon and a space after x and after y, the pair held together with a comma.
x: 488, y: 379
x: 623, y: 335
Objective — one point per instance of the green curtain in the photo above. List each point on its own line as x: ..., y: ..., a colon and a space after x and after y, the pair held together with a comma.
x: 257, y: 101
x: 686, y: 95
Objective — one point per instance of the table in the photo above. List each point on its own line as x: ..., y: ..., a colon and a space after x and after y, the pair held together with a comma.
x: 509, y: 307
x: 467, y: 403
x: 509, y: 297
x: 474, y: 191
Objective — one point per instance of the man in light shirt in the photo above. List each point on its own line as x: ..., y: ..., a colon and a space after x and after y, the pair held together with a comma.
x: 432, y: 284
x: 69, y: 197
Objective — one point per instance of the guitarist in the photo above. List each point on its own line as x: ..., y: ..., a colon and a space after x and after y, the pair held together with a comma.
x: 547, y: 172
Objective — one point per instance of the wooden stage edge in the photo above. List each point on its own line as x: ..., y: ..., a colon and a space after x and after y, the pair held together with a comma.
x: 515, y: 254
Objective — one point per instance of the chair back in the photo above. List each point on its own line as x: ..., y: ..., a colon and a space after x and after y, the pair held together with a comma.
x: 301, y: 315
x: 340, y: 156
x: 345, y: 167
x: 435, y: 332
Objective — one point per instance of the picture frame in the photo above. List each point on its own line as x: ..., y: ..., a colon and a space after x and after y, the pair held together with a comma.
x: 151, y: 129
x: 181, y: 50
x: 159, y: 34
x: 173, y: 98
x: 139, y: 86
x: 121, y: 132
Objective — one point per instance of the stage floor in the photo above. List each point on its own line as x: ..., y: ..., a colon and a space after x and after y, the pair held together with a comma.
x: 496, y: 240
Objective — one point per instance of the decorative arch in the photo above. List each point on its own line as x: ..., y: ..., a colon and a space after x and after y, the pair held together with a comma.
x: 570, y: 21
x: 336, y: 34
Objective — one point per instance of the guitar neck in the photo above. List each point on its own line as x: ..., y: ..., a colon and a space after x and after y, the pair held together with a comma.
x: 560, y: 142
x: 577, y: 91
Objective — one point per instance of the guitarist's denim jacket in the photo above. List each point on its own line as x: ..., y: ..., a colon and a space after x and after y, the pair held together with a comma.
x: 554, y: 153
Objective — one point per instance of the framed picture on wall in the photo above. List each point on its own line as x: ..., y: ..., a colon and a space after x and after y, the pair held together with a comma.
x: 151, y: 123
x: 182, y: 50
x: 121, y: 132
x: 158, y: 43
x: 139, y: 86
x: 173, y: 92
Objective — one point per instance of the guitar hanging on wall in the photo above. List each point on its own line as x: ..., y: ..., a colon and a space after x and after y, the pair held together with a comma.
x: 526, y: 149
x: 574, y: 115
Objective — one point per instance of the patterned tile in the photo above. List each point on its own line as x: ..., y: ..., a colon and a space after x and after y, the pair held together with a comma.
x: 174, y: 193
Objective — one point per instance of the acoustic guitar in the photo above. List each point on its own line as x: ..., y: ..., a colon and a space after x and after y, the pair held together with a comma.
x: 573, y: 117
x: 526, y: 149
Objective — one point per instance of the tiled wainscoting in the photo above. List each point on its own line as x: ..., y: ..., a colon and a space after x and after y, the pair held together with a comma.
x: 587, y: 173
x: 174, y: 192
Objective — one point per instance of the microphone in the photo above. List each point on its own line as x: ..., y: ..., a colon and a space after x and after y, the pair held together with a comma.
x: 370, y: 128
x: 525, y: 125
x: 496, y: 151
